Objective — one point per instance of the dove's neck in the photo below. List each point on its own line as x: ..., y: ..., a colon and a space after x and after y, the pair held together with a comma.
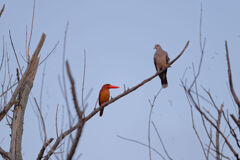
x: 159, y: 50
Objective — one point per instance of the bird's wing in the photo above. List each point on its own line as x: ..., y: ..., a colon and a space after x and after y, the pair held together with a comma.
x: 167, y: 58
x: 155, y: 63
x: 165, y: 55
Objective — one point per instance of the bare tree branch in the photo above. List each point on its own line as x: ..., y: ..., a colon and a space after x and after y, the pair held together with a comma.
x: 235, y: 120
x: 161, y: 141
x: 2, y: 10
x: 42, y: 120
x: 75, y: 142
x: 56, y: 124
x: 210, y: 143
x: 55, y: 46
x: 230, y: 81
x: 149, y: 122
x: 4, y: 154
x: 59, y: 139
x: 84, y: 71
x: 220, y: 111
x: 15, y: 52
x: 3, y: 53
x: 30, y: 37
x: 79, y: 113
x: 202, y: 48
x: 9, y: 88
x: 40, y: 155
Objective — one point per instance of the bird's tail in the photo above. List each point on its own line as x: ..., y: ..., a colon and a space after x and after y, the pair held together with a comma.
x: 101, y: 112
x: 163, y: 77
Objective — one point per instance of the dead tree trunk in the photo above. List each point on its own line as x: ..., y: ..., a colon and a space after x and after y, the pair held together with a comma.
x: 19, y: 108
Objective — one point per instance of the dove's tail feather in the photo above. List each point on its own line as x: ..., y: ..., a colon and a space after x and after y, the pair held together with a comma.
x: 163, y: 77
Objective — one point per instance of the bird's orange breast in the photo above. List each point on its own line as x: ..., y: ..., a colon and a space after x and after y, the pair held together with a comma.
x: 104, y: 96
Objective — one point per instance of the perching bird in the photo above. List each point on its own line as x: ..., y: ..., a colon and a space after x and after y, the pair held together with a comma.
x: 161, y: 60
x: 104, y: 95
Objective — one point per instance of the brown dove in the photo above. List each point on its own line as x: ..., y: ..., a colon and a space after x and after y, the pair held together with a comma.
x: 161, y: 60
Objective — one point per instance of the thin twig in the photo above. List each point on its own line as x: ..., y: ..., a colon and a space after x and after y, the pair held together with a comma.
x: 40, y: 155
x: 56, y: 124
x: 84, y: 71
x: 149, y: 122
x: 64, y: 88
x: 55, y: 46
x: 2, y: 10
x: 30, y: 38
x: 149, y: 132
x: 3, y: 53
x: 202, y: 97
x: 26, y: 44
x: 202, y: 48
x: 211, y: 98
x: 42, y: 120
x: 15, y: 52
x: 42, y: 87
x: 145, y: 145
x: 161, y: 141
x: 9, y: 88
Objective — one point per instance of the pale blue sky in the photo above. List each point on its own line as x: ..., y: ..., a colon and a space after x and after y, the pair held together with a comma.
x: 119, y: 37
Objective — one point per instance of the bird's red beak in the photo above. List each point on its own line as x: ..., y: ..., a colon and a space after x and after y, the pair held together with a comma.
x: 112, y: 86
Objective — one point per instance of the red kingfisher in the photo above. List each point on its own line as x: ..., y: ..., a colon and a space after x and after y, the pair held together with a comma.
x: 104, y: 95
